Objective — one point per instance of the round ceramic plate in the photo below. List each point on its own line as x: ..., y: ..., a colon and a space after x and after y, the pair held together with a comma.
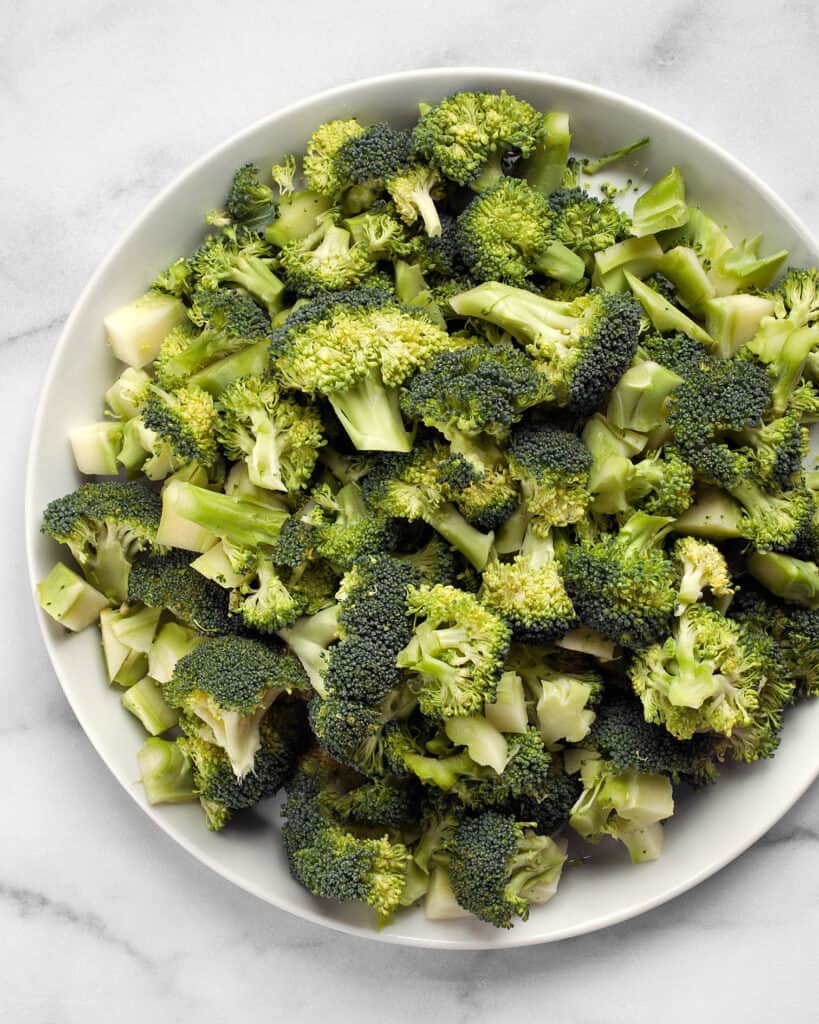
x: 710, y: 828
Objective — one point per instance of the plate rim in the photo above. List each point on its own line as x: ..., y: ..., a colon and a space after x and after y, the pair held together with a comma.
x: 32, y: 515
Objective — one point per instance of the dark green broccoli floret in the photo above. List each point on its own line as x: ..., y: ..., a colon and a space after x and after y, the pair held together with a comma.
x: 623, y: 584
x: 343, y: 527
x: 106, y: 526
x: 436, y: 562
x: 249, y: 202
x: 231, y: 322
x: 549, y: 809
x: 456, y: 651
x: 185, y: 419
x: 498, y: 867
x: 466, y: 136
x: 580, y: 347
x: 661, y: 484
x: 677, y: 352
x: 168, y: 581
x: 386, y: 803
x: 586, y: 224
x: 278, y: 437
x: 779, y: 449
x: 422, y: 485
x: 283, y: 735
x: 356, y: 348
x: 265, y: 602
x: 474, y: 389
x: 440, y: 255
x: 506, y: 234
x: 229, y: 682
x: 553, y: 469
x: 778, y: 520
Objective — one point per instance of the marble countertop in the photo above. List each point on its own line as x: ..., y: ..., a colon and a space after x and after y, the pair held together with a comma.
x: 101, y: 916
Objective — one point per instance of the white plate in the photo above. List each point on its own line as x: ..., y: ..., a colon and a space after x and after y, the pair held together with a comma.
x: 709, y: 829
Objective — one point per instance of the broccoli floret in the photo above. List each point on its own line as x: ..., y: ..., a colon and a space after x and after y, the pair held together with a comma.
x: 373, y: 155
x: 528, y: 593
x: 622, y: 737
x: 796, y: 306
x: 678, y: 353
x: 283, y: 736
x: 249, y: 202
x: 548, y: 810
x: 324, y: 171
x: 277, y: 436
x: 240, y: 257
x: 563, y: 698
x: 440, y: 255
x: 231, y: 320
x: 185, y: 419
x: 705, y: 677
x: 168, y: 581
x: 421, y: 485
x: 779, y: 449
x: 778, y: 520
x: 229, y: 682
x: 660, y: 484
x: 474, y: 389
x: 628, y: 806
x: 785, y: 356
x: 586, y: 224
x: 335, y: 863
x: 622, y: 584
x: 581, y: 347
x: 701, y: 566
x: 105, y: 526
x: 436, y: 562
x: 382, y: 233
x: 325, y: 260
x: 456, y: 652
x: 726, y: 396
x: 264, y: 602
x: 413, y: 190
x: 355, y: 348
x: 343, y: 526
x: 466, y: 136
x: 499, y: 866
x: 506, y: 234
x: 381, y: 803
x: 553, y: 469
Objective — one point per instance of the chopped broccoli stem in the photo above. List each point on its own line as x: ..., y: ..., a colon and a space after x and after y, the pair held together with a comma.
x: 371, y: 415
x: 166, y: 772
x: 69, y: 600
x: 144, y: 700
x: 240, y: 521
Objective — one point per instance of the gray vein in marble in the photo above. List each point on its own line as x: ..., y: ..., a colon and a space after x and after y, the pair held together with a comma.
x: 29, y: 903
x: 34, y: 332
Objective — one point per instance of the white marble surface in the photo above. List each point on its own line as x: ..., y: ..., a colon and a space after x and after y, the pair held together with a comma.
x: 101, y: 916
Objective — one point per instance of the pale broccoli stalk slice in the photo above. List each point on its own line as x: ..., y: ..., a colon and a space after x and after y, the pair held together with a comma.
x: 69, y: 600
x: 171, y: 643
x: 240, y: 521
x: 95, y: 447
x: 508, y: 711
x: 484, y: 742
x: 661, y: 207
x: 792, y: 579
x: 166, y: 773
x: 663, y: 315
x: 309, y: 638
x: 135, y: 331
x: 145, y: 701
x: 639, y: 400
x: 562, y: 708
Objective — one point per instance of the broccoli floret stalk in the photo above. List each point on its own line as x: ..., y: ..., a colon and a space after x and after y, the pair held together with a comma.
x: 297, y: 216
x: 595, y: 165
x: 713, y: 515
x: 780, y: 449
x: 219, y: 564
x: 136, y: 331
x: 69, y: 600
x: 639, y: 400
x: 240, y: 521
x: 125, y: 396
x: 581, y: 347
x: 662, y: 314
x: 123, y: 665
x: 413, y: 191
x: 547, y: 164
x: 612, y: 470
x: 778, y: 520
x: 278, y: 437
x: 508, y: 710
x: 249, y: 202
x: 171, y: 643
x: 229, y: 683
x: 623, y: 584
x: 552, y: 467
x: 456, y: 652
x: 507, y: 234
x: 484, y: 742
x: 661, y: 207
x: 105, y: 526
x: 145, y: 701
x: 786, y: 362
x: 166, y: 772
x: 474, y: 389
x: 499, y: 867
x: 326, y: 260
x: 356, y: 348
x: 701, y: 566
x: 309, y: 639
x: 466, y: 135
x: 418, y: 486
x: 239, y: 257
x: 628, y: 806
x: 792, y: 579
x: 529, y: 593
x: 705, y: 677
